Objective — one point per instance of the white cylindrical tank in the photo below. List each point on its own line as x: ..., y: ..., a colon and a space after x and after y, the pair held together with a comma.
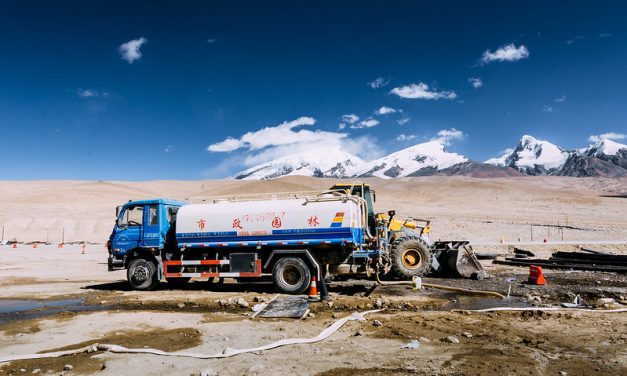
x: 279, y: 222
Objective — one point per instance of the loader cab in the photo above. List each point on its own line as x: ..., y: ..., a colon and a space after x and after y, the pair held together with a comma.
x: 142, y: 224
x: 364, y: 191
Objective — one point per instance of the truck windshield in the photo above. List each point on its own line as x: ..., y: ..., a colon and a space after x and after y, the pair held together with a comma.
x: 132, y: 216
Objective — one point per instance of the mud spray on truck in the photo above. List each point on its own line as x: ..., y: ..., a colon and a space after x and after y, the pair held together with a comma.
x: 286, y: 237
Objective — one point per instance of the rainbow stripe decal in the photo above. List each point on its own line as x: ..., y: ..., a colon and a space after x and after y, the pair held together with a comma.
x: 337, y: 221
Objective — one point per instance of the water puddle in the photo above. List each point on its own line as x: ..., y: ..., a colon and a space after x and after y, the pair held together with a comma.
x: 467, y: 302
x: 22, y: 309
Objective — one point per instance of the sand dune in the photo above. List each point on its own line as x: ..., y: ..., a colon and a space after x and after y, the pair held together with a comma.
x: 460, y: 207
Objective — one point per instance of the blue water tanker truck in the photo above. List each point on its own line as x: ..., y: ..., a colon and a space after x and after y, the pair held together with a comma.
x: 286, y: 237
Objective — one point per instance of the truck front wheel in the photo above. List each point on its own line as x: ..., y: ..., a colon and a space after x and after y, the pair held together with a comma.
x: 291, y: 275
x: 142, y: 274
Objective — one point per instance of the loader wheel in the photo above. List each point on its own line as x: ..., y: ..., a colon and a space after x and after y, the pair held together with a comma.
x: 142, y: 274
x: 291, y: 275
x: 411, y: 257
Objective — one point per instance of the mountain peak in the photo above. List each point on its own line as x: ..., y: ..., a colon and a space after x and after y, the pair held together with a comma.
x: 533, y: 156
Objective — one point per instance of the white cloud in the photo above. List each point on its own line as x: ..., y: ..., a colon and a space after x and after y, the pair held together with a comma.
x: 576, y: 38
x: 379, y: 82
x: 547, y: 109
x: 211, y: 40
x: 341, y: 126
x: 383, y: 110
x: 130, y: 50
x: 561, y: 99
x: 350, y: 118
x: 508, y: 52
x: 604, y: 35
x: 447, y: 136
x: 168, y: 148
x: 475, y: 82
x: 403, y: 121
x: 604, y: 136
x: 91, y: 93
x: 405, y: 137
x: 421, y: 91
x: 282, y: 134
x: 366, y: 123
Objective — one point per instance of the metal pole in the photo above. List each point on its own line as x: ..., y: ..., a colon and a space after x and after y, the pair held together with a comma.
x: 531, y: 229
x: 2, y: 233
x: 62, y: 235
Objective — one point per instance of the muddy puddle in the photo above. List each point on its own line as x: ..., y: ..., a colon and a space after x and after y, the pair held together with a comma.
x: 463, y: 302
x: 23, y: 309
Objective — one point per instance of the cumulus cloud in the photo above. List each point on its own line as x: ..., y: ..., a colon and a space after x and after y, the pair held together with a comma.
x: 447, y: 136
x: 508, y: 52
x: 366, y: 123
x: 421, y: 91
x: 475, y: 82
x: 282, y: 134
x: 547, y: 109
x: 131, y: 50
x: 405, y: 137
x: 341, y: 126
x: 383, y: 110
x: 561, y: 99
x: 403, y: 120
x: 379, y: 82
x: 91, y: 93
x: 350, y: 118
x: 605, y: 136
x: 288, y: 138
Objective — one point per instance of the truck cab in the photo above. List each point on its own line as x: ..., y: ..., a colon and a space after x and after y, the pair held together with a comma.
x: 141, y: 226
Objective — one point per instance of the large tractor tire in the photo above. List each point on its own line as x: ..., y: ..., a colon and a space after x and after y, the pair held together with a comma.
x: 410, y: 257
x: 142, y: 274
x: 291, y: 275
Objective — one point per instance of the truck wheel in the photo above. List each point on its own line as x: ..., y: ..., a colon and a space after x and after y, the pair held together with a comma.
x: 411, y: 257
x: 177, y: 282
x: 291, y: 275
x: 142, y: 274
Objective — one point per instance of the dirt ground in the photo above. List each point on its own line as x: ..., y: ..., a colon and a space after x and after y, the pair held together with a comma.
x: 53, y: 298
x: 95, y: 306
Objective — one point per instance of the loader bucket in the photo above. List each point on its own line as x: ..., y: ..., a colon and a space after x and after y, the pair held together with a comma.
x: 456, y: 258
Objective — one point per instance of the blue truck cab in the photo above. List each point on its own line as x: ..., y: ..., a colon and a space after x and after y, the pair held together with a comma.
x: 141, y: 228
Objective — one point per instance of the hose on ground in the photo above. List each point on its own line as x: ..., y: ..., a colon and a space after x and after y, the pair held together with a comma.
x: 441, y: 287
x: 228, y: 352
x: 562, y: 309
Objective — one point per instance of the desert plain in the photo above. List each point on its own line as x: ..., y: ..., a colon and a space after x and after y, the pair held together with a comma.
x: 59, y: 298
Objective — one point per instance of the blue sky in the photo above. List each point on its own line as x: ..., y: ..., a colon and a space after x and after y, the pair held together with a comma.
x: 74, y: 104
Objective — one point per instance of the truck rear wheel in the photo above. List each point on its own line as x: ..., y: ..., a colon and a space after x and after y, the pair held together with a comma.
x: 411, y: 257
x: 142, y: 274
x: 291, y: 275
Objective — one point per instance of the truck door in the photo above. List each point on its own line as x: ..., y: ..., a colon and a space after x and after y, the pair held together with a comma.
x: 129, y: 228
x: 152, y: 236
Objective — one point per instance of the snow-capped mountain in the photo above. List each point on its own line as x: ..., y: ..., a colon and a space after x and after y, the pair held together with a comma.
x: 328, y: 161
x: 606, y: 158
x: 422, y: 159
x: 533, y: 157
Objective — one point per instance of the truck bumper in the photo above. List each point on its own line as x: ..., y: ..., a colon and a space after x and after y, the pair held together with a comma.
x: 114, y: 264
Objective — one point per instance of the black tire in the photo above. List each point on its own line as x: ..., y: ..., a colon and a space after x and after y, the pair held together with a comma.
x: 291, y: 276
x: 142, y: 274
x: 410, y: 257
x: 177, y: 282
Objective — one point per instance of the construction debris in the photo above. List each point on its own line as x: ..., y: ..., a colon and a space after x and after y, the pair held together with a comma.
x: 587, y: 260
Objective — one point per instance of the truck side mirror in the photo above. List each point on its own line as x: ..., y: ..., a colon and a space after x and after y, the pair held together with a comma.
x: 392, y: 213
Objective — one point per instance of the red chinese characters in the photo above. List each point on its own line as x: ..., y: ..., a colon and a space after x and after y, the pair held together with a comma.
x: 201, y: 224
x: 276, y: 222
x: 237, y: 223
x: 313, y: 221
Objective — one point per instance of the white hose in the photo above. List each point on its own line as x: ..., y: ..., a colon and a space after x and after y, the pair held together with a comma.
x: 228, y: 352
x: 514, y: 309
